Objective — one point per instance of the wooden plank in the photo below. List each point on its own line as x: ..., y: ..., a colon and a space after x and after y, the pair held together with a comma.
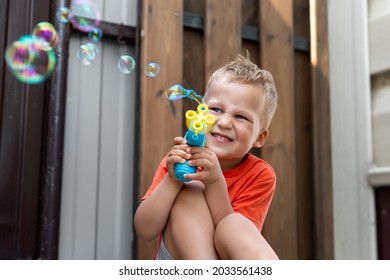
x: 161, y: 42
x: 222, y: 33
x: 250, y: 12
x: 323, y: 201
x: 304, y: 134
x: 250, y: 17
x: 277, y: 56
x: 195, y: 6
x: 194, y: 57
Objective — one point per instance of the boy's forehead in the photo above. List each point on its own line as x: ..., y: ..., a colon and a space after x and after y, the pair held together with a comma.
x: 225, y: 81
x: 252, y: 94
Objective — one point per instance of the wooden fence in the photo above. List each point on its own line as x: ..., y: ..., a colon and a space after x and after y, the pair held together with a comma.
x: 190, y: 39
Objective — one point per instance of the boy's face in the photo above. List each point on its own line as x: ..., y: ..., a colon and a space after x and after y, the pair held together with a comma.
x: 236, y: 108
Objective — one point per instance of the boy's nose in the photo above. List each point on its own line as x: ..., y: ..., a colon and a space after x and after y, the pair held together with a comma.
x: 225, y: 121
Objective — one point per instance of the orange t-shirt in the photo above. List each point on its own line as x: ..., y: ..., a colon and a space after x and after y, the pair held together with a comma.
x: 251, y: 186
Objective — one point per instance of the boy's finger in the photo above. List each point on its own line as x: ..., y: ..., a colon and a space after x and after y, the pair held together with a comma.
x: 179, y: 140
x: 203, y: 163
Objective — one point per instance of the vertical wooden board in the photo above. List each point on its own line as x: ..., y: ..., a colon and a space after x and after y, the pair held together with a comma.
x: 250, y: 12
x: 195, y: 6
x: 222, y: 33
x: 162, y: 43
x: 193, y: 65
x: 193, y: 56
x: 277, y: 56
x: 323, y: 195
x: 304, y: 156
x: 250, y: 17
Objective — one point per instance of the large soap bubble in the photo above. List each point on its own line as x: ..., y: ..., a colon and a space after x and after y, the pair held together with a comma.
x: 85, y: 15
x: 31, y: 59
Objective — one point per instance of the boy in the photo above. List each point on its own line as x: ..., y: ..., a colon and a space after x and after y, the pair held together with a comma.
x: 219, y: 213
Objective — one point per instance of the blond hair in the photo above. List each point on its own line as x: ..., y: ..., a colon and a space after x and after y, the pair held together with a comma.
x: 243, y: 70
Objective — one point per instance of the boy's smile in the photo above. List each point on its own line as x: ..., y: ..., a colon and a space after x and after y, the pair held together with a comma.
x: 236, y: 108
x: 221, y: 137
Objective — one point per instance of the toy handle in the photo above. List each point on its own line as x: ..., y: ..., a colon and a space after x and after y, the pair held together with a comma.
x: 183, y: 168
x: 198, y: 123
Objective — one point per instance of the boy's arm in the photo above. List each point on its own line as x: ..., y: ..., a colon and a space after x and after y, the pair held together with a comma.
x: 217, y: 198
x: 211, y: 175
x: 152, y: 214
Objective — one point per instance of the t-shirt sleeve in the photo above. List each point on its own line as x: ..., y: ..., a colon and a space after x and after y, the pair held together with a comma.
x: 255, y: 198
x: 158, y: 176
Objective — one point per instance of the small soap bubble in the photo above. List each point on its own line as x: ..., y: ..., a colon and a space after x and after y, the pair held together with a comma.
x: 85, y: 15
x: 30, y: 59
x: 47, y: 32
x: 126, y: 64
x: 63, y: 14
x: 87, y: 53
x: 152, y: 69
x: 95, y: 35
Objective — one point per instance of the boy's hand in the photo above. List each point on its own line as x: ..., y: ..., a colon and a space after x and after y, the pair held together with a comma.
x: 207, y: 160
x: 178, y: 154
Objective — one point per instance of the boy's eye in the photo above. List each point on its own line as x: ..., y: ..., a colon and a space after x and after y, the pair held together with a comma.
x: 215, y: 109
x: 241, y: 117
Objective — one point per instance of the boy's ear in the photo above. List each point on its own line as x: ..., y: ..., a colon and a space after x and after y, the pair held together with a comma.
x: 260, y: 141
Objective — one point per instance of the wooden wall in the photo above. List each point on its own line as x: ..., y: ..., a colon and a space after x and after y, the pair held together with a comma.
x: 190, y: 39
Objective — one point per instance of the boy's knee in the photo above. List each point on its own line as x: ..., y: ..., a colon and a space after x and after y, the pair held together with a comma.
x: 225, y: 231
x: 232, y: 221
x: 190, y: 196
x: 236, y: 237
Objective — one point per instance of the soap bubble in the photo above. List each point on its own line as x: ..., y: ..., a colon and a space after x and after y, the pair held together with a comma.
x: 176, y: 92
x: 126, y: 64
x: 85, y: 15
x: 47, y: 32
x: 30, y: 59
x: 152, y: 69
x: 63, y: 14
x: 87, y: 53
x: 95, y: 35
